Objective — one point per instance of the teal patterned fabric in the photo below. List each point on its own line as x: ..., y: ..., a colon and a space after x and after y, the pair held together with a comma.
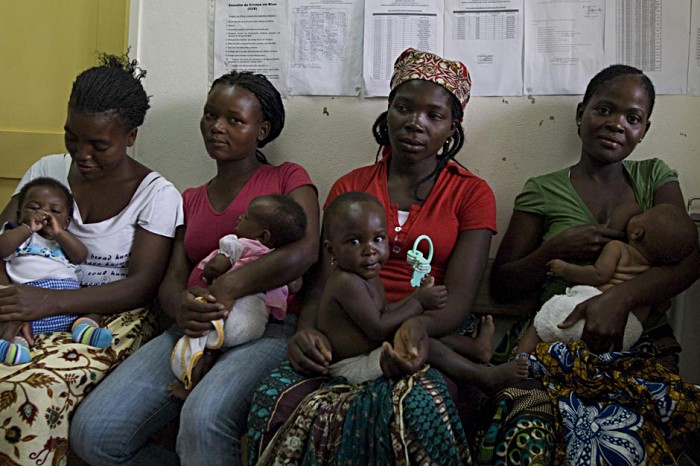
x: 381, y: 422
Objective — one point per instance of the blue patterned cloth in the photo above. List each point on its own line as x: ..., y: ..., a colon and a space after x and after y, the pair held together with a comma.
x: 616, y: 409
x: 59, y: 323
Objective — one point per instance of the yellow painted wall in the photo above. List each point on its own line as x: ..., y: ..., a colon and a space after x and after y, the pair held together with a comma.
x: 65, y: 39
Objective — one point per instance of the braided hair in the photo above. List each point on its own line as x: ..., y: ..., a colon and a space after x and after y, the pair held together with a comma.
x: 380, y: 131
x: 269, y: 98
x: 612, y: 72
x: 113, y: 86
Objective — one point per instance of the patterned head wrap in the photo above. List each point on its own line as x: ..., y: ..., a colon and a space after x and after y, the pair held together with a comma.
x: 452, y: 75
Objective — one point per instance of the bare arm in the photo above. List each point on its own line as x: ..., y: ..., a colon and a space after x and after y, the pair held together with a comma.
x: 11, y: 239
x: 193, y: 316
x: 596, y: 274
x: 309, y: 351
x: 4, y: 279
x: 464, y: 273
x: 462, y: 278
x: 280, y: 266
x: 74, y: 249
x: 295, y: 285
x: 521, y: 262
x: 607, y: 313
x: 287, y: 262
x: 314, y: 283
x: 355, y: 296
x: 149, y: 256
x: 659, y: 284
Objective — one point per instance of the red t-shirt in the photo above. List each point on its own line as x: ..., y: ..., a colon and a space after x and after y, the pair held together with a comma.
x: 205, y: 226
x: 459, y: 201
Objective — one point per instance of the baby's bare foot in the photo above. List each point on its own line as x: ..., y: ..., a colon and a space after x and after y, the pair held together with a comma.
x: 177, y: 390
x: 496, y: 378
x: 487, y: 378
x: 477, y: 349
x: 483, y: 347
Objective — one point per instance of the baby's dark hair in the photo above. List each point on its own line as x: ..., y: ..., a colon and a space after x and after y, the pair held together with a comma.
x: 380, y: 131
x: 113, y: 86
x: 46, y: 182
x: 612, y: 72
x: 268, y: 96
x: 670, y: 236
x: 340, y: 203
x: 286, y: 220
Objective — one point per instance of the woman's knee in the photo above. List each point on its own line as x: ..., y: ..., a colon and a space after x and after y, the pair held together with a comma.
x: 89, y: 432
x: 209, y: 412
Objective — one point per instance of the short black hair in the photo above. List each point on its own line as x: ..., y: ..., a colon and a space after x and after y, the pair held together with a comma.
x: 286, y: 220
x: 268, y: 96
x: 340, y: 202
x: 612, y: 72
x: 113, y: 86
x: 46, y: 182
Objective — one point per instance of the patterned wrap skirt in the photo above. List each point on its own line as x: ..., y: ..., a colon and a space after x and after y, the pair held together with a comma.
x: 581, y: 409
x: 37, y: 399
x: 317, y: 421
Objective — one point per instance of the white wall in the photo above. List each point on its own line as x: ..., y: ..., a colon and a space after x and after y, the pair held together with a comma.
x: 507, y: 139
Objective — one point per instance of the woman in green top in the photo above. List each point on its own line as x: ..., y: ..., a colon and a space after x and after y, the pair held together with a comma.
x: 565, y: 215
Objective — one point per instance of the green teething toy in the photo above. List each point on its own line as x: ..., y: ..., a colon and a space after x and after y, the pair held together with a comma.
x: 421, y: 265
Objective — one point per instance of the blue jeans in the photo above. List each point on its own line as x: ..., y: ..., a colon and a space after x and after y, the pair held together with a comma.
x: 114, y: 424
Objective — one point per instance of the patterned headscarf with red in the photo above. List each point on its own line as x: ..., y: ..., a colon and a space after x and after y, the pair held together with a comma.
x: 452, y: 75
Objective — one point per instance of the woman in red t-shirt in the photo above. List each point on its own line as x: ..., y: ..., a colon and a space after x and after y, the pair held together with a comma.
x: 423, y: 191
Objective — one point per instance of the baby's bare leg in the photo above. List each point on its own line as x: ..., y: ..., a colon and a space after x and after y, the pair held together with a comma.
x: 177, y: 389
x: 480, y: 348
x: 487, y: 378
x: 528, y: 342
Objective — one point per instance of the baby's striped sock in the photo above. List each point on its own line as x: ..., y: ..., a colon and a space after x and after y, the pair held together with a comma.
x: 14, y: 353
x: 88, y: 332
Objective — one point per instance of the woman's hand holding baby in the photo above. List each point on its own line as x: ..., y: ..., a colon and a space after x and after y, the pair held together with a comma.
x: 198, y: 308
x: 309, y: 352
x: 25, y: 303
x: 582, y: 241
x: 605, y: 317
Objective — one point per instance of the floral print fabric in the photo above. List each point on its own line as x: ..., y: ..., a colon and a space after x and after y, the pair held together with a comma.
x: 37, y: 399
x: 616, y: 408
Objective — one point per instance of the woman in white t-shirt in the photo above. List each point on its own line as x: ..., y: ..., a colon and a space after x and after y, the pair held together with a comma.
x: 126, y: 215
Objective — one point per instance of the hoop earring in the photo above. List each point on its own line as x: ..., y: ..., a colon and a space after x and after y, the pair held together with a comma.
x: 446, y: 146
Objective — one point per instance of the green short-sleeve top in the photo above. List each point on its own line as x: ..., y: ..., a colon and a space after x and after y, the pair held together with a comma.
x: 553, y: 197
